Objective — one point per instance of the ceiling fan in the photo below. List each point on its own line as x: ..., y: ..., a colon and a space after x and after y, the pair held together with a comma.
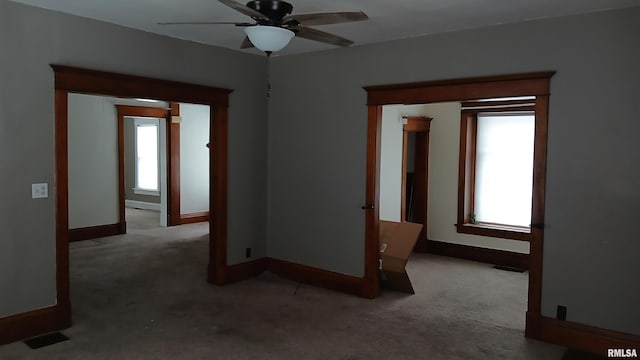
x: 274, y: 25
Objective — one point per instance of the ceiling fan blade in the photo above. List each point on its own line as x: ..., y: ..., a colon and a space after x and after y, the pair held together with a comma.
x: 326, y: 18
x: 321, y: 36
x: 244, y: 9
x: 206, y: 23
x: 246, y: 43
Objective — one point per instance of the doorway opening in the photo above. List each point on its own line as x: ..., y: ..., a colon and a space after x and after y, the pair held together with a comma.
x: 181, y: 194
x: 144, y: 174
x: 404, y: 167
x: 73, y: 80
x: 421, y: 142
x: 531, y: 85
x: 143, y: 152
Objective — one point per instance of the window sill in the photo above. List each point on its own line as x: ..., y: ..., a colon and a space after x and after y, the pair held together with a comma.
x: 494, y: 230
x: 146, y: 192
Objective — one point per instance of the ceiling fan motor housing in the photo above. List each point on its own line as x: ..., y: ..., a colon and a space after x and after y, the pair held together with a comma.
x: 275, y: 10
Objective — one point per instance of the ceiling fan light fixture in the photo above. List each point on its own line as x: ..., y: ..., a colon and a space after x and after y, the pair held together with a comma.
x: 269, y: 38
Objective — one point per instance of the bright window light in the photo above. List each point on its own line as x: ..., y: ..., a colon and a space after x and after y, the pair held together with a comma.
x: 147, y: 154
x: 504, y: 168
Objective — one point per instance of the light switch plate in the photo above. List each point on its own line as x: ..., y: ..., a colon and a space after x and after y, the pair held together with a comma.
x: 39, y: 191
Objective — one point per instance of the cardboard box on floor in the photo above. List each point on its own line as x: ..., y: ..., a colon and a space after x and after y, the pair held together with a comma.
x: 397, y: 241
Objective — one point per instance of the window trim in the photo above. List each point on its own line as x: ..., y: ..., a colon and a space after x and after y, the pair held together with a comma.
x: 466, y: 173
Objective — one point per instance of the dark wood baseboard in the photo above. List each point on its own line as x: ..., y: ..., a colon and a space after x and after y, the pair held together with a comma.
x: 581, y: 337
x: 34, y: 323
x: 296, y: 272
x: 318, y: 277
x: 194, y: 218
x: 94, y: 232
x: 490, y: 256
x: 245, y: 270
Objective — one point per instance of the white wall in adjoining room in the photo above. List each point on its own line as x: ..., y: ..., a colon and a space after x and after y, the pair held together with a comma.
x: 93, y: 161
x: 391, y: 158
x: 194, y: 158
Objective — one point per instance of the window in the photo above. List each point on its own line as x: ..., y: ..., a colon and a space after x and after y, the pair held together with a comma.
x: 504, y: 169
x: 496, y: 170
x: 146, y: 147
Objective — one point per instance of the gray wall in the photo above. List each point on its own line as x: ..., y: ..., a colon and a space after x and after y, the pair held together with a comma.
x: 30, y: 40
x: 317, y: 149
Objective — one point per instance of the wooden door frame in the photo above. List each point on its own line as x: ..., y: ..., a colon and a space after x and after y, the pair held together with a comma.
x: 536, y: 84
x: 416, y: 124
x: 84, y: 81
x: 153, y: 112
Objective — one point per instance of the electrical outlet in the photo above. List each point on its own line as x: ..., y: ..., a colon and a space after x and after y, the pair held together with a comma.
x: 39, y: 191
x: 561, y: 312
x: 247, y: 252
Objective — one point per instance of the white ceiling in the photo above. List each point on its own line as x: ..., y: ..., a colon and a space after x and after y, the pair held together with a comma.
x: 388, y: 19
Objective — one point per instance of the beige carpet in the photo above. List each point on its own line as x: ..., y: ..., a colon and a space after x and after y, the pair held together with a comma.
x: 144, y: 296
